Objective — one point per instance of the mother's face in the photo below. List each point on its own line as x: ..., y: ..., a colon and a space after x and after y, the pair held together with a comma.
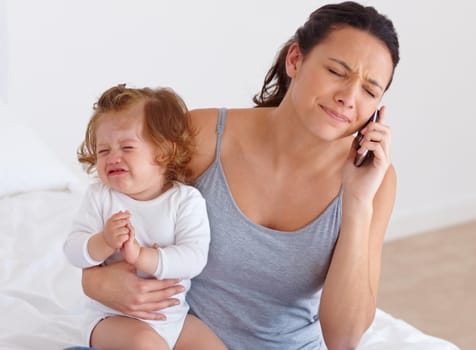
x: 341, y: 81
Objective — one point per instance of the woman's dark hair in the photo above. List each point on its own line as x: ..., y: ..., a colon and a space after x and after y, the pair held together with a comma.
x: 320, y: 23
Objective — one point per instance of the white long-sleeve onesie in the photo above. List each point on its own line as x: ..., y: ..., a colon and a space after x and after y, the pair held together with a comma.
x: 176, y: 221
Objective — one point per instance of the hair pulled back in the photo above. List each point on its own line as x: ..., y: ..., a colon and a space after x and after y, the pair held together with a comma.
x: 319, y: 24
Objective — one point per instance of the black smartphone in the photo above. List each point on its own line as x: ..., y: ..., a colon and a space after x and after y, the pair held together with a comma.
x: 360, y: 158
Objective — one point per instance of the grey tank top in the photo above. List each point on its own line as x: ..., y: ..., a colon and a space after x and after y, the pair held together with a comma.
x: 261, y: 287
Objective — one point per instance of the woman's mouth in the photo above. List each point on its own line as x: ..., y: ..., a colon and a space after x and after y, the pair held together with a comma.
x: 334, y: 115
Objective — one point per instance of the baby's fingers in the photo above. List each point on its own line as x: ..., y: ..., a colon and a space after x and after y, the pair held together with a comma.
x: 121, y: 217
x: 132, y: 232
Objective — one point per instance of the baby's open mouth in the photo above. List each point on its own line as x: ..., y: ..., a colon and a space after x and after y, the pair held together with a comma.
x: 116, y: 171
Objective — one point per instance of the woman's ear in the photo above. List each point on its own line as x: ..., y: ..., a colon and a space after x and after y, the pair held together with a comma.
x: 293, y: 60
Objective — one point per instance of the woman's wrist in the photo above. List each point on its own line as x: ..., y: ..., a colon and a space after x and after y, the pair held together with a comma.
x: 356, y: 213
x: 359, y: 204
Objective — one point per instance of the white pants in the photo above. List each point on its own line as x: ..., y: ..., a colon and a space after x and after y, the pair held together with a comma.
x: 169, y: 330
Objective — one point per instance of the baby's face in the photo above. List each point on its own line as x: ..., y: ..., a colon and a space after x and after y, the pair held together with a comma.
x: 126, y: 161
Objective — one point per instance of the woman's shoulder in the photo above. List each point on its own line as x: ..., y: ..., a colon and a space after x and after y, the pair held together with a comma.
x: 204, y: 124
x: 203, y: 116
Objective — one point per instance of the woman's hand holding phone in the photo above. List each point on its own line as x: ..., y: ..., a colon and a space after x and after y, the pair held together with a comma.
x: 365, y: 155
x: 370, y: 158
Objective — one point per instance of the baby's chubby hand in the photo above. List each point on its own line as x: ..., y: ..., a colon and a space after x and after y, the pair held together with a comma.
x: 131, y: 248
x: 117, y: 229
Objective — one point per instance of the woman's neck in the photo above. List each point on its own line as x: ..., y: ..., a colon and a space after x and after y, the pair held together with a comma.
x: 288, y: 141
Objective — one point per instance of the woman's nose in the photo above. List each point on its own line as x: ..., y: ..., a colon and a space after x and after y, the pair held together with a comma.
x: 347, y: 95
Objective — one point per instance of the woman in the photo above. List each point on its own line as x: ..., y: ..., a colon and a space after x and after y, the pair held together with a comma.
x: 296, y: 228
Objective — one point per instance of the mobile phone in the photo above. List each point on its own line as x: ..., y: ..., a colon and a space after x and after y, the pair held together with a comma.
x: 360, y: 158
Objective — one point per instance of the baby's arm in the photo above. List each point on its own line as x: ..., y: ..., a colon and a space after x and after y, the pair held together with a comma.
x: 86, y: 224
x: 188, y: 256
x: 145, y: 259
x: 116, y: 231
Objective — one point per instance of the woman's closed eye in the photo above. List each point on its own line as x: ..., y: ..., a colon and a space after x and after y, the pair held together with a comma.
x: 370, y: 92
x: 336, y: 72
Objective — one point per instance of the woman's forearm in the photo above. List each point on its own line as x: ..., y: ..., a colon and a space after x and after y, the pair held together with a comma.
x: 118, y: 287
x: 348, y: 299
x: 91, y: 282
x: 349, y: 295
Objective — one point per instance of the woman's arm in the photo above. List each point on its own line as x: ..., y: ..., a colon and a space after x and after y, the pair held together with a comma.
x: 118, y: 287
x: 349, y: 296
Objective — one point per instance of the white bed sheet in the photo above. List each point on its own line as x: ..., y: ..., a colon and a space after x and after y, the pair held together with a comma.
x: 40, y: 293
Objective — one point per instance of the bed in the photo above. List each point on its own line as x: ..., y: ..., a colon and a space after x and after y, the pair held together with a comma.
x: 41, y: 298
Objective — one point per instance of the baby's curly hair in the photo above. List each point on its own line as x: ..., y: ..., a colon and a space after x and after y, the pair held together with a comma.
x: 166, y: 124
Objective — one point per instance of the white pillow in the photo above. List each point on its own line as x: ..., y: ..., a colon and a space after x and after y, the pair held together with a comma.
x: 26, y: 162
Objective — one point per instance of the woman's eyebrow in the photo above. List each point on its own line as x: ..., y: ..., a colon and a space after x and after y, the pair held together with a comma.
x: 347, y: 68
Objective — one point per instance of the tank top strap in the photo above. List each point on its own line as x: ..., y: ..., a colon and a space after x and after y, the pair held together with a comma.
x: 220, y: 129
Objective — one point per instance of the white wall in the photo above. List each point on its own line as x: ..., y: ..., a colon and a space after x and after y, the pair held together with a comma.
x: 3, y: 52
x: 63, y: 54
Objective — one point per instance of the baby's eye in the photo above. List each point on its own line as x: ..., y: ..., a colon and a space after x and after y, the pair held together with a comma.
x: 102, y: 152
x: 127, y: 148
